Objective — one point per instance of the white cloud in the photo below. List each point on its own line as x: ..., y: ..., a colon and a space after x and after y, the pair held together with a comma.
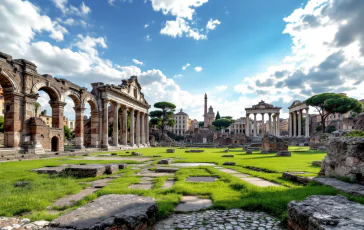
x: 186, y: 66
x: 221, y: 88
x: 146, y: 26
x: 63, y: 6
x: 178, y: 8
x: 138, y: 62
x: 69, y: 21
x: 198, y: 69
x: 180, y: 27
x: 111, y: 2
x: 177, y: 76
x: 211, y: 24
x: 148, y: 38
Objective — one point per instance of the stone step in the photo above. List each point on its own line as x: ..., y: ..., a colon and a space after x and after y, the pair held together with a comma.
x: 353, y: 189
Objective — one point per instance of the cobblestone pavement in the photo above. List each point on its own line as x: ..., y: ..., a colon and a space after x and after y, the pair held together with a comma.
x: 220, y: 219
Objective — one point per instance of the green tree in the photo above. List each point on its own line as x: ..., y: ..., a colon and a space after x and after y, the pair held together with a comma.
x: 67, y: 132
x: 163, y: 116
x: 227, y: 117
x: 331, y: 128
x: 201, y: 124
x: 36, y: 106
x: 330, y: 103
x: 1, y: 124
x: 217, y: 116
x: 223, y: 122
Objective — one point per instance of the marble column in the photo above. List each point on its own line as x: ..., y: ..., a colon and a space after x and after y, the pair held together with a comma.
x: 105, y: 125
x: 274, y: 131
x: 79, y: 127
x: 307, y: 131
x: 142, y: 132
x: 270, y: 123
x: 255, y: 125
x: 115, y: 125
x: 125, y: 126
x: 278, y: 130
x: 147, y: 129
x: 137, y: 137
x: 300, y: 123
x: 294, y: 124
x: 247, y: 125
x: 263, y: 123
x: 132, y: 127
x: 290, y: 125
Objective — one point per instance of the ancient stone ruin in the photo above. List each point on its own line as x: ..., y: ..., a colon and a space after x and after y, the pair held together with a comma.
x: 359, y: 122
x: 273, y: 144
x: 22, y: 130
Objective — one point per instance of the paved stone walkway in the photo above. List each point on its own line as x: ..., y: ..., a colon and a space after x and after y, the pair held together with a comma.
x: 220, y: 219
x: 247, y: 178
x: 192, y: 203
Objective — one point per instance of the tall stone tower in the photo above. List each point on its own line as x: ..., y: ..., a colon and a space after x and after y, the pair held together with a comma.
x: 205, y: 120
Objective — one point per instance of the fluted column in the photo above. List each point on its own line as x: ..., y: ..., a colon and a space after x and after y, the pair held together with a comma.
x: 125, y: 126
x: 132, y: 127
x: 79, y: 128
x: 247, y: 125
x: 307, y: 131
x: 270, y: 123
x: 278, y: 126
x: 142, y: 133
x: 137, y: 137
x: 274, y: 130
x: 300, y: 123
x: 294, y: 123
x: 115, y: 127
x: 105, y: 125
x: 263, y: 123
x: 255, y: 124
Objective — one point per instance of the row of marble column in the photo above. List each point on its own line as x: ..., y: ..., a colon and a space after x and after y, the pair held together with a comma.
x: 295, y: 123
x: 274, y: 124
x: 139, y: 131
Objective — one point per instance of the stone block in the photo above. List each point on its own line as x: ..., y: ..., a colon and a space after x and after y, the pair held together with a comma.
x: 229, y: 163
x: 359, y: 122
x: 166, y: 170
x: 197, y: 151
x: 353, y: 189
x: 136, y: 154
x: 322, y: 148
x: 283, y: 154
x: 50, y: 170
x: 271, y: 143
x: 165, y: 162
x: 226, y: 150
x: 111, y: 212
x: 171, y: 150
x: 157, y: 156
x: 249, y: 151
x: 123, y: 166
x: 82, y: 171
x: 325, y: 212
x: 228, y: 155
x: 111, y: 168
x: 295, y: 177
x: 317, y: 163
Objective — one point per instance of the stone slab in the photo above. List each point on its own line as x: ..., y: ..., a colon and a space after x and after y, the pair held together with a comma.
x: 166, y: 170
x: 228, y: 171
x: 82, y: 171
x: 111, y: 212
x: 71, y: 199
x: 168, y: 184
x: 196, y: 151
x: 101, y: 183
x: 229, y: 155
x: 50, y: 170
x: 171, y: 150
x: 191, y: 164
x: 142, y: 186
x: 192, y: 203
x: 295, y: 177
x: 123, y: 166
x: 111, y: 168
x: 325, y: 212
x: 201, y: 179
x: 229, y: 163
x: 353, y: 189
x: 151, y: 174
x: 140, y: 159
x: 165, y: 162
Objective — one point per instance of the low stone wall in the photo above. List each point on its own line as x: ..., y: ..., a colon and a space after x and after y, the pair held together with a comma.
x: 345, y: 158
x: 319, y: 140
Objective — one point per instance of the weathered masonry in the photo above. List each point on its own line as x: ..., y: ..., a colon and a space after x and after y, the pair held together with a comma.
x: 22, y: 130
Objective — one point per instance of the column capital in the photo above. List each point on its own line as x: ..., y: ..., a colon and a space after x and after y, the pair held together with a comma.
x: 57, y: 104
x: 79, y: 109
x: 106, y: 100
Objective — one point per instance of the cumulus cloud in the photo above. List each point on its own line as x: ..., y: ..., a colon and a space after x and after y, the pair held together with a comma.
x: 211, y: 24
x: 186, y: 66
x: 180, y: 9
x: 198, y: 69
x: 138, y: 62
x: 180, y: 27
x: 63, y: 5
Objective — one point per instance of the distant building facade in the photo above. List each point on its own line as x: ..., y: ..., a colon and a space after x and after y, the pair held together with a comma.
x: 183, y: 123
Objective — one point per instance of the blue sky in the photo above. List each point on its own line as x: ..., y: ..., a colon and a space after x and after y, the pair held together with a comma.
x: 238, y: 51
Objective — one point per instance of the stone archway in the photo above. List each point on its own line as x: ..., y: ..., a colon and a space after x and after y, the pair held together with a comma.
x: 54, y: 144
x: 92, y: 139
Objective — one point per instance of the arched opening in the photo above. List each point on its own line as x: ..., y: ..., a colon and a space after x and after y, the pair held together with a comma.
x: 10, y: 123
x: 54, y: 144
x: 92, y: 124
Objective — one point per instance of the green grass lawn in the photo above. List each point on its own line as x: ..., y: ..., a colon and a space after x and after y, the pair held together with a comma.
x: 227, y: 192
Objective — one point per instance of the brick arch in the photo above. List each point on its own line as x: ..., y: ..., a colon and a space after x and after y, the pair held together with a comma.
x: 7, y: 81
x: 53, y: 93
x: 75, y: 96
x: 92, y: 102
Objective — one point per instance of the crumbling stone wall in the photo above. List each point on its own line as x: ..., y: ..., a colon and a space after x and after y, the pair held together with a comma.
x: 359, y: 122
x: 272, y: 144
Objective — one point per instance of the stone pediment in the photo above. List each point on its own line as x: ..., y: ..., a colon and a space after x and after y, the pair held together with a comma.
x: 263, y: 105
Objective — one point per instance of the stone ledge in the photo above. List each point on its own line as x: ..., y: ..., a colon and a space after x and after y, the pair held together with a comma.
x: 353, y: 189
x: 325, y: 212
x: 295, y: 177
x: 111, y: 212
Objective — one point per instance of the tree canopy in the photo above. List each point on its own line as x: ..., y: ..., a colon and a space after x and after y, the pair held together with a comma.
x: 163, y: 117
x: 217, y: 116
x: 223, y: 122
x: 67, y: 132
x: 331, y: 103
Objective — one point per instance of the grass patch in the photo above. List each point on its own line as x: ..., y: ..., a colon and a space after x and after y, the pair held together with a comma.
x: 355, y: 133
